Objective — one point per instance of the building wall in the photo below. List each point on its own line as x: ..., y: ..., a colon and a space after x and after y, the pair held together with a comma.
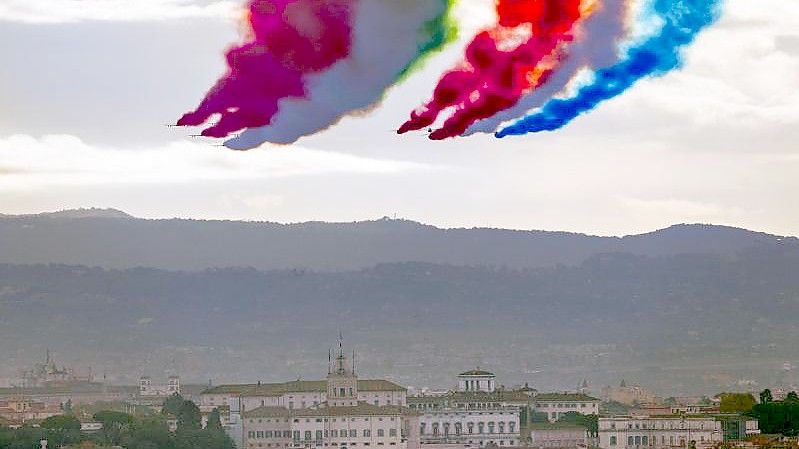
x: 658, y: 432
x: 478, y: 427
x: 556, y: 409
x: 325, y: 431
x: 297, y: 400
x: 558, y: 438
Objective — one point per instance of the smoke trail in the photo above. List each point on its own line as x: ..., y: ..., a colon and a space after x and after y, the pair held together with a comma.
x: 658, y: 55
x: 596, y: 47
x: 290, y: 38
x: 390, y: 38
x: 494, y: 77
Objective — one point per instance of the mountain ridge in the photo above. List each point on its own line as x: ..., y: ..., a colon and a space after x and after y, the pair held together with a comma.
x: 113, y: 239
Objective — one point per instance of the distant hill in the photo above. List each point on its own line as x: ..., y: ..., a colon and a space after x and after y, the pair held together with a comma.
x: 113, y: 239
x: 685, y: 323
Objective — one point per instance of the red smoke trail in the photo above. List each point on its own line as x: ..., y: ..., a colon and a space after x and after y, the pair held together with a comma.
x: 290, y: 38
x: 494, y: 78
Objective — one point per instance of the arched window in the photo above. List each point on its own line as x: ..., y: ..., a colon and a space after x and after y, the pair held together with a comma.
x: 422, y: 428
x: 512, y: 427
x: 435, y: 429
x: 471, y: 427
x: 501, y: 427
x: 481, y: 427
x: 446, y: 429
x: 458, y: 428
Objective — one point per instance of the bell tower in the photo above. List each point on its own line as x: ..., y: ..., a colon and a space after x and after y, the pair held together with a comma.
x: 342, y: 383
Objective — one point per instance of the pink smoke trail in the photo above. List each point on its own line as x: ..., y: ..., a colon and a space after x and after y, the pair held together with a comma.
x: 289, y: 39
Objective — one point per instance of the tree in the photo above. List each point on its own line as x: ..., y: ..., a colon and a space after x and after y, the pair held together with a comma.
x: 766, y: 396
x: 792, y: 397
x: 590, y: 422
x: 189, y: 416
x: 61, y: 422
x: 113, y: 424
x: 172, y: 404
x: 736, y: 402
x: 214, y: 421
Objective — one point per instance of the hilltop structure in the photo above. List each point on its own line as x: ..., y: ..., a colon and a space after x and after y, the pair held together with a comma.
x: 48, y: 374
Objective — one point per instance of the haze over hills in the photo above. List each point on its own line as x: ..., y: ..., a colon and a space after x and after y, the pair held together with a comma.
x: 114, y: 239
x: 688, y: 309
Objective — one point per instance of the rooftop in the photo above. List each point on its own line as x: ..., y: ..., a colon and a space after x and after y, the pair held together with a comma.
x: 549, y: 397
x: 298, y: 386
x: 476, y: 372
x: 362, y: 409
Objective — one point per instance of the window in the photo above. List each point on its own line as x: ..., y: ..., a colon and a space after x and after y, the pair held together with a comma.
x: 637, y: 440
x: 353, y: 433
x: 630, y: 441
x: 334, y: 433
x: 644, y: 440
x: 458, y: 428
x: 422, y: 428
x: 307, y: 435
x: 435, y: 429
x: 296, y: 436
x: 613, y: 441
x: 367, y: 433
x: 481, y: 427
x: 392, y: 432
x: 318, y: 435
x: 512, y: 427
x: 381, y: 433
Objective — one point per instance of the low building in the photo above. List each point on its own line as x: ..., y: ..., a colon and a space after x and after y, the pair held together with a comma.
x: 563, y: 436
x: 555, y: 405
x: 670, y: 431
x: 23, y: 410
x: 629, y: 395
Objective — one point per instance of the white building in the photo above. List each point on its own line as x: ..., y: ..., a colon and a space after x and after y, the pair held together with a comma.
x: 628, y: 432
x: 477, y: 380
x: 340, y: 412
x: 555, y: 405
x: 476, y: 414
x: 148, y: 389
x: 558, y: 436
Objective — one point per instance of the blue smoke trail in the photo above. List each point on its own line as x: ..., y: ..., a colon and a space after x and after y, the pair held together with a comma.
x: 658, y: 55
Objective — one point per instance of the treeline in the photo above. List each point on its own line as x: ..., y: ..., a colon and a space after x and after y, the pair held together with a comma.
x: 777, y: 417
x: 128, y: 431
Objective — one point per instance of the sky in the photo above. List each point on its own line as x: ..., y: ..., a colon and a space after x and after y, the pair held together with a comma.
x: 86, y: 87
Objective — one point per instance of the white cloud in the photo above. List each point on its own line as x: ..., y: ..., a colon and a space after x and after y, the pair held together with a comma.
x: 736, y: 73
x: 67, y: 11
x: 63, y: 160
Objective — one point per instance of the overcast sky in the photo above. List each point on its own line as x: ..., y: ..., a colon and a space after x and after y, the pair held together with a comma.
x: 86, y: 86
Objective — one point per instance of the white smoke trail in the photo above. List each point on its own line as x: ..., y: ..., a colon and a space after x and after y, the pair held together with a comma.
x: 386, y: 38
x: 598, y: 46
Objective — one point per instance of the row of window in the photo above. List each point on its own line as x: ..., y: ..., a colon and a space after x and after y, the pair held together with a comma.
x: 669, y: 425
x: 297, y: 420
x: 343, y: 445
x: 563, y: 405
x: 643, y: 440
x: 470, y: 428
x: 319, y: 434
